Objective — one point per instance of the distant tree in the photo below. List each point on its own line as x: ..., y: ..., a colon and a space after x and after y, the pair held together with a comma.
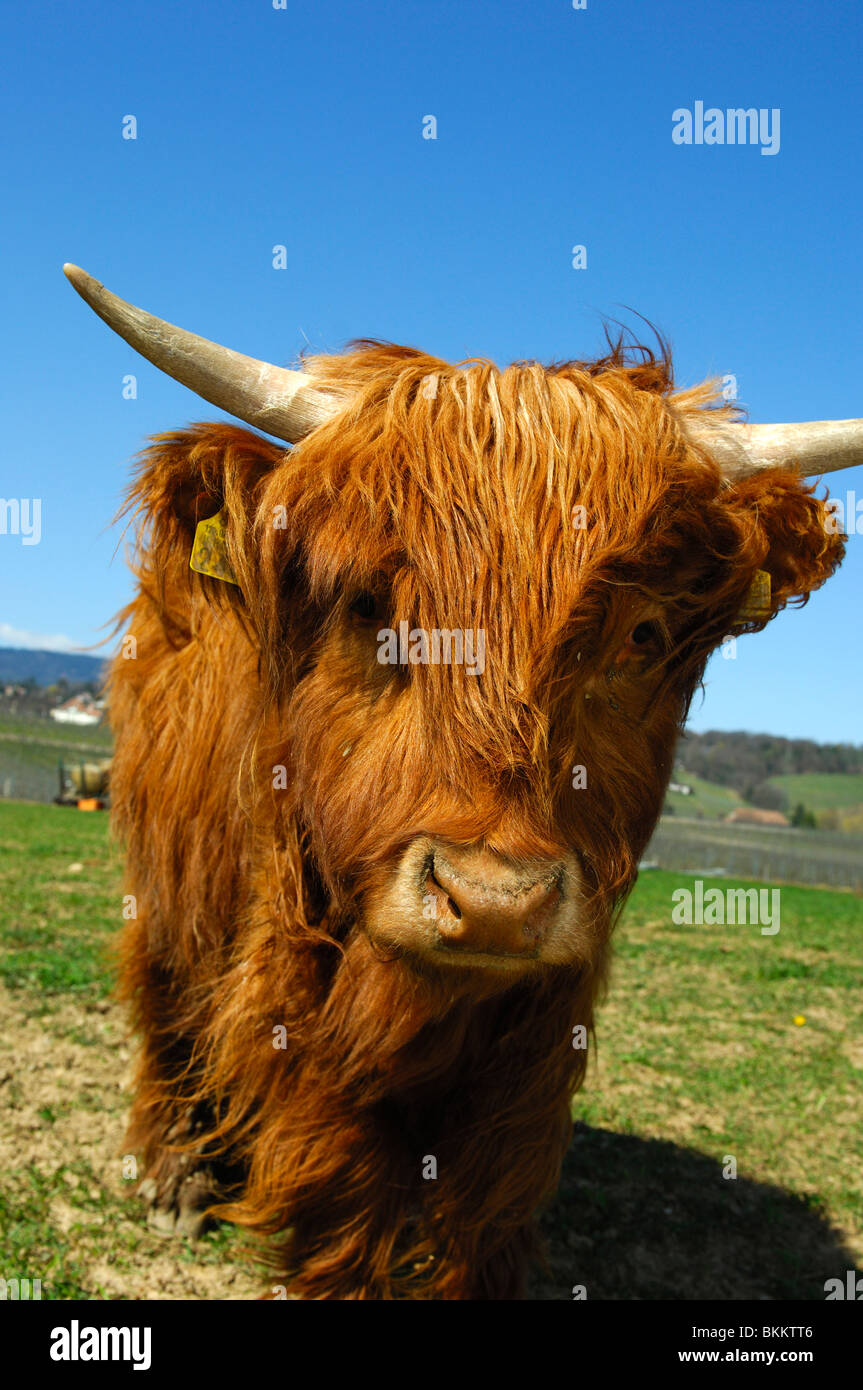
x: 743, y: 761
x: 803, y: 819
x: 767, y: 797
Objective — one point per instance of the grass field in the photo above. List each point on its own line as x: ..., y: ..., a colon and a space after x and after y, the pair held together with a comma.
x: 706, y: 799
x: 817, y: 791
x: 822, y: 791
x: 702, y: 1058
x: 32, y: 728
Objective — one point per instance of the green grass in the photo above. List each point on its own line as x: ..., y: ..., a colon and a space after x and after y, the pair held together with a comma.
x: 31, y: 727
x: 56, y: 923
x: 698, y: 1042
x: 30, y: 1243
x: 100, y: 1229
x: 822, y: 791
x: 31, y: 730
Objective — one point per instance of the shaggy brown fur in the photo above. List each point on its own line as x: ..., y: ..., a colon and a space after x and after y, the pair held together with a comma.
x: 448, y: 493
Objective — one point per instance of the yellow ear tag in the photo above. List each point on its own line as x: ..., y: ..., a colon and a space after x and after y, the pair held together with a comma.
x: 210, y: 549
x: 757, y: 603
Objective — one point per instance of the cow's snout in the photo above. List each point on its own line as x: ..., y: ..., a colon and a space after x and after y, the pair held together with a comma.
x: 484, y: 903
x: 475, y: 908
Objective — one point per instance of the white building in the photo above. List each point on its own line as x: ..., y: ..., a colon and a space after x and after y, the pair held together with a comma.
x: 81, y: 709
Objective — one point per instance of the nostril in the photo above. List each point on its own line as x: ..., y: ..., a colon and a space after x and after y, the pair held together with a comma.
x: 488, y: 905
x: 450, y: 903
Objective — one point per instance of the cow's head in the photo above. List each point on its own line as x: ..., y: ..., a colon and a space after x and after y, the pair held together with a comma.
x: 483, y: 601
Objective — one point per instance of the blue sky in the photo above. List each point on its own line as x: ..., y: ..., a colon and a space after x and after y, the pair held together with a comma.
x: 303, y: 127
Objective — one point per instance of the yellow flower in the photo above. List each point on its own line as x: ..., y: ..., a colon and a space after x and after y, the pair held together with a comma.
x: 799, y: 1019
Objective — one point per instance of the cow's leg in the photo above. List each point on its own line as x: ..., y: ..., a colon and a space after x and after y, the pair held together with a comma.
x: 168, y: 1125
x: 181, y: 1183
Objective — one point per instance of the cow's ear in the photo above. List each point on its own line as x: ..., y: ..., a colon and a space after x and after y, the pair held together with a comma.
x: 189, y: 477
x: 793, y: 532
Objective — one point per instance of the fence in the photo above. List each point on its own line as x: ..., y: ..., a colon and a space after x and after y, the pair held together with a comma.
x: 772, y: 853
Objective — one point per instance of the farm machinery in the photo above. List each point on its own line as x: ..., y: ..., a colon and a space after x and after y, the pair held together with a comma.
x: 85, y: 784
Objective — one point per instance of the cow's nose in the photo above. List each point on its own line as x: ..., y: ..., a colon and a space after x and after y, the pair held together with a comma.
x: 490, y: 912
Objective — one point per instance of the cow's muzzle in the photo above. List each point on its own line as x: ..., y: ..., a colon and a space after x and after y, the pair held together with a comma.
x: 474, y: 907
x: 482, y: 903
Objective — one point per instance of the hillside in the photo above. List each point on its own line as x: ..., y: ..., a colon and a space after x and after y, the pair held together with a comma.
x: 822, y: 790
x: 750, y: 762
x: 833, y: 799
x: 707, y: 800
x: 17, y: 664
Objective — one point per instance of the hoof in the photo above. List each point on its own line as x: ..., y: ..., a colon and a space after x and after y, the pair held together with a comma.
x: 179, y: 1208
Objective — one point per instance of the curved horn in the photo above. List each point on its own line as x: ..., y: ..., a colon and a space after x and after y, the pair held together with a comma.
x: 815, y: 446
x: 281, y: 402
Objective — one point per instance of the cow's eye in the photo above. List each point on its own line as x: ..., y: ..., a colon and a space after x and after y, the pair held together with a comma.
x: 642, y: 640
x: 368, y: 608
x: 644, y: 633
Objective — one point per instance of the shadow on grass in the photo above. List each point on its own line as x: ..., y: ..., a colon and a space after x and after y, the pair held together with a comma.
x: 644, y: 1219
